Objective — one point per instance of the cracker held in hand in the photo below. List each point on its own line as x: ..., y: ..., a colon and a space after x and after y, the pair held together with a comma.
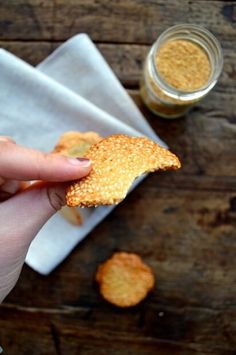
x: 75, y: 144
x: 116, y: 161
x: 124, y: 280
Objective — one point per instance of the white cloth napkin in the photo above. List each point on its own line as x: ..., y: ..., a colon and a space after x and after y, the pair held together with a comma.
x: 73, y: 89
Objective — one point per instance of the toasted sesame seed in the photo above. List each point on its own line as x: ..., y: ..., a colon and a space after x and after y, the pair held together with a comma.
x: 117, y: 161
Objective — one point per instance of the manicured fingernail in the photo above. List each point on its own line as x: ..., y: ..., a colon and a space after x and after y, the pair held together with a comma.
x: 85, y: 163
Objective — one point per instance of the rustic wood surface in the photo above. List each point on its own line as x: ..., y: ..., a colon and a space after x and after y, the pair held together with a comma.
x: 182, y: 223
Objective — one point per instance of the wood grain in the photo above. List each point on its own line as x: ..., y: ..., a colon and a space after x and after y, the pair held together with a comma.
x: 181, y: 223
x: 133, y: 21
x: 85, y: 331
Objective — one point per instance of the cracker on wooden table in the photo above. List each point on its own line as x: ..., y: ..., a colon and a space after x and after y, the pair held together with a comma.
x: 124, y: 280
x: 116, y: 161
x: 75, y: 144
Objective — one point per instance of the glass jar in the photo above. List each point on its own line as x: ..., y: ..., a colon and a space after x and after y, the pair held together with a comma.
x: 182, y: 66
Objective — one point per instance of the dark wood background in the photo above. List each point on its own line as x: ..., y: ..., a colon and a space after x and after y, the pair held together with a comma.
x: 182, y: 223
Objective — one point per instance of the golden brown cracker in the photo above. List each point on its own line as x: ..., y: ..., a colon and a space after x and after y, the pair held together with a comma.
x: 124, y: 280
x: 116, y: 161
x: 72, y: 215
x: 75, y: 143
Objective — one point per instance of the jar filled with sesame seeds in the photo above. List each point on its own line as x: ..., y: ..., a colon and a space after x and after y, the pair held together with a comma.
x: 182, y: 66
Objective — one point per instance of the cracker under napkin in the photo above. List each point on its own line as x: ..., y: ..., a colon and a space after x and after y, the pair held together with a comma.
x: 73, y: 89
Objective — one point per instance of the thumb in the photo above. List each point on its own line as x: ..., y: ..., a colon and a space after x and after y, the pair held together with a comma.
x: 28, y: 211
x: 21, y: 218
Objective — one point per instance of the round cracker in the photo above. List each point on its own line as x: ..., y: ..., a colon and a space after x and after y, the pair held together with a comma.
x: 124, y: 280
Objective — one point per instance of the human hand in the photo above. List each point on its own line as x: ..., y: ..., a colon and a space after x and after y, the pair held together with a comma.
x: 24, y: 210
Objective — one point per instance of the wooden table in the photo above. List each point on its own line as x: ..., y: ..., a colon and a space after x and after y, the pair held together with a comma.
x: 181, y: 223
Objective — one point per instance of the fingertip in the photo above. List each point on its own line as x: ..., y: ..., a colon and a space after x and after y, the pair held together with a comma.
x: 72, y: 168
x: 6, y: 139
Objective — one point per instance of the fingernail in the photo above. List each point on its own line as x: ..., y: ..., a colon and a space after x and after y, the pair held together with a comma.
x: 85, y: 163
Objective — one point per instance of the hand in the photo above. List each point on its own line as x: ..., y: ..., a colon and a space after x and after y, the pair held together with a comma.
x: 24, y: 210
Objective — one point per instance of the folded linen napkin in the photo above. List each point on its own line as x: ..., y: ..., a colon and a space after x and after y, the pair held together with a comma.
x: 73, y: 89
